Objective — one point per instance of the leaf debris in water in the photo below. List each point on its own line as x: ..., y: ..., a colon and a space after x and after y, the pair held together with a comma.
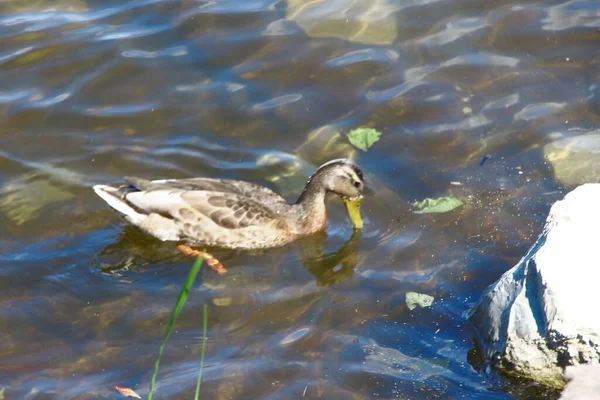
x: 414, y: 300
x: 127, y: 392
x: 363, y: 138
x: 484, y: 159
x: 222, y: 301
x: 439, y: 205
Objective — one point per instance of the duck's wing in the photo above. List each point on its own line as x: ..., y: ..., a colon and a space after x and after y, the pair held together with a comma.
x: 197, y: 207
x: 241, y: 188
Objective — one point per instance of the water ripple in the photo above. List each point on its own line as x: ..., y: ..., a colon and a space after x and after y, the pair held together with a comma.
x: 535, y: 111
x: 482, y: 59
x: 572, y: 14
x: 454, y: 30
x: 130, y: 32
x: 277, y: 102
x: 379, y: 55
x: 116, y: 110
x: 14, y: 54
x: 176, y: 51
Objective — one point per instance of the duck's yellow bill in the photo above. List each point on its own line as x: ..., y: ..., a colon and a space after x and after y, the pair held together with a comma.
x: 353, y: 208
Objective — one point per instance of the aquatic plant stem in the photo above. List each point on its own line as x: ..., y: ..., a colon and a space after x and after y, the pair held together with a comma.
x: 205, y: 319
x: 183, y: 295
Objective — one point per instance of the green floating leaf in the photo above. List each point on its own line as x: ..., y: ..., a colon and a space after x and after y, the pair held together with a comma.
x: 363, y: 138
x: 440, y: 205
x: 414, y: 300
x: 183, y: 295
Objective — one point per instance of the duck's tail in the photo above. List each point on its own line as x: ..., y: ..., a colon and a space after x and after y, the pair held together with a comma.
x: 115, y: 197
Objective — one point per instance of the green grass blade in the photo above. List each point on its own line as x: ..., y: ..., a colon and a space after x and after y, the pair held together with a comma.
x: 205, y: 318
x: 183, y: 295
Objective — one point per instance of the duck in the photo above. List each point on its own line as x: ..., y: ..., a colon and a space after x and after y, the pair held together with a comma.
x: 234, y: 214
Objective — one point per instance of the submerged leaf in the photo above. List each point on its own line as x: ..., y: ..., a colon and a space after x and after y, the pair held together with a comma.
x: 440, y: 205
x: 414, y: 300
x: 127, y: 392
x: 363, y: 138
x: 222, y: 301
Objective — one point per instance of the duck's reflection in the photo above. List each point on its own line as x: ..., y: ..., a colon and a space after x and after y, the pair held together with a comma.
x: 333, y: 267
x: 135, y: 250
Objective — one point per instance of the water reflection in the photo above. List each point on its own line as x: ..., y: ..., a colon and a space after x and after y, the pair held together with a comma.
x: 333, y: 267
x: 133, y: 251
x: 136, y: 250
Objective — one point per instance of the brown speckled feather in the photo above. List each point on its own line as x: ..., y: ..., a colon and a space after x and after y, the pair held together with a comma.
x: 245, y: 189
x: 229, y: 210
x: 210, y: 212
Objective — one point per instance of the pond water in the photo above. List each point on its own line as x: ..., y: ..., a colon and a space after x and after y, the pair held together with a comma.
x: 264, y: 91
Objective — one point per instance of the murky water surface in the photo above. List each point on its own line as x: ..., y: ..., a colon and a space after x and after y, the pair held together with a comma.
x: 264, y: 91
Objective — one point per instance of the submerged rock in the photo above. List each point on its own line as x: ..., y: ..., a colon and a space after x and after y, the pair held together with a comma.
x: 576, y: 159
x: 10, y: 7
x: 540, y: 316
x: 23, y: 198
x: 292, y: 170
x: 369, y: 22
x: 326, y: 143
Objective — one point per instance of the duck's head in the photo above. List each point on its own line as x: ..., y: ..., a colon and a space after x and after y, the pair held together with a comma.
x: 344, y: 178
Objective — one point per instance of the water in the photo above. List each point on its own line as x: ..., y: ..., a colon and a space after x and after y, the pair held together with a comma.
x: 256, y: 90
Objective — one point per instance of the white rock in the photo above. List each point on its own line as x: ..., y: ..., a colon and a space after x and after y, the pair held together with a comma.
x: 541, y: 315
x: 414, y: 300
x: 583, y: 383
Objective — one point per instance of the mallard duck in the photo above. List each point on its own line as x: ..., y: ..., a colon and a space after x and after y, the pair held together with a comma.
x: 234, y: 214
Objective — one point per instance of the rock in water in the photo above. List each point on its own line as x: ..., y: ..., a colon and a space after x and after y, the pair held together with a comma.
x: 541, y: 315
x: 583, y: 383
x: 575, y: 159
x: 368, y: 22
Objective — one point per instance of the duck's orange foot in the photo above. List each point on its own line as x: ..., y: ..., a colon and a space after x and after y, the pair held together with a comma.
x: 212, y: 262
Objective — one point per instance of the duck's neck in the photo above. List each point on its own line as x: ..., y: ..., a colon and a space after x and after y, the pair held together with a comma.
x: 311, y: 206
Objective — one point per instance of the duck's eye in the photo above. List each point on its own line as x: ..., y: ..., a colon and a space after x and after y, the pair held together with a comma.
x: 356, y: 184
